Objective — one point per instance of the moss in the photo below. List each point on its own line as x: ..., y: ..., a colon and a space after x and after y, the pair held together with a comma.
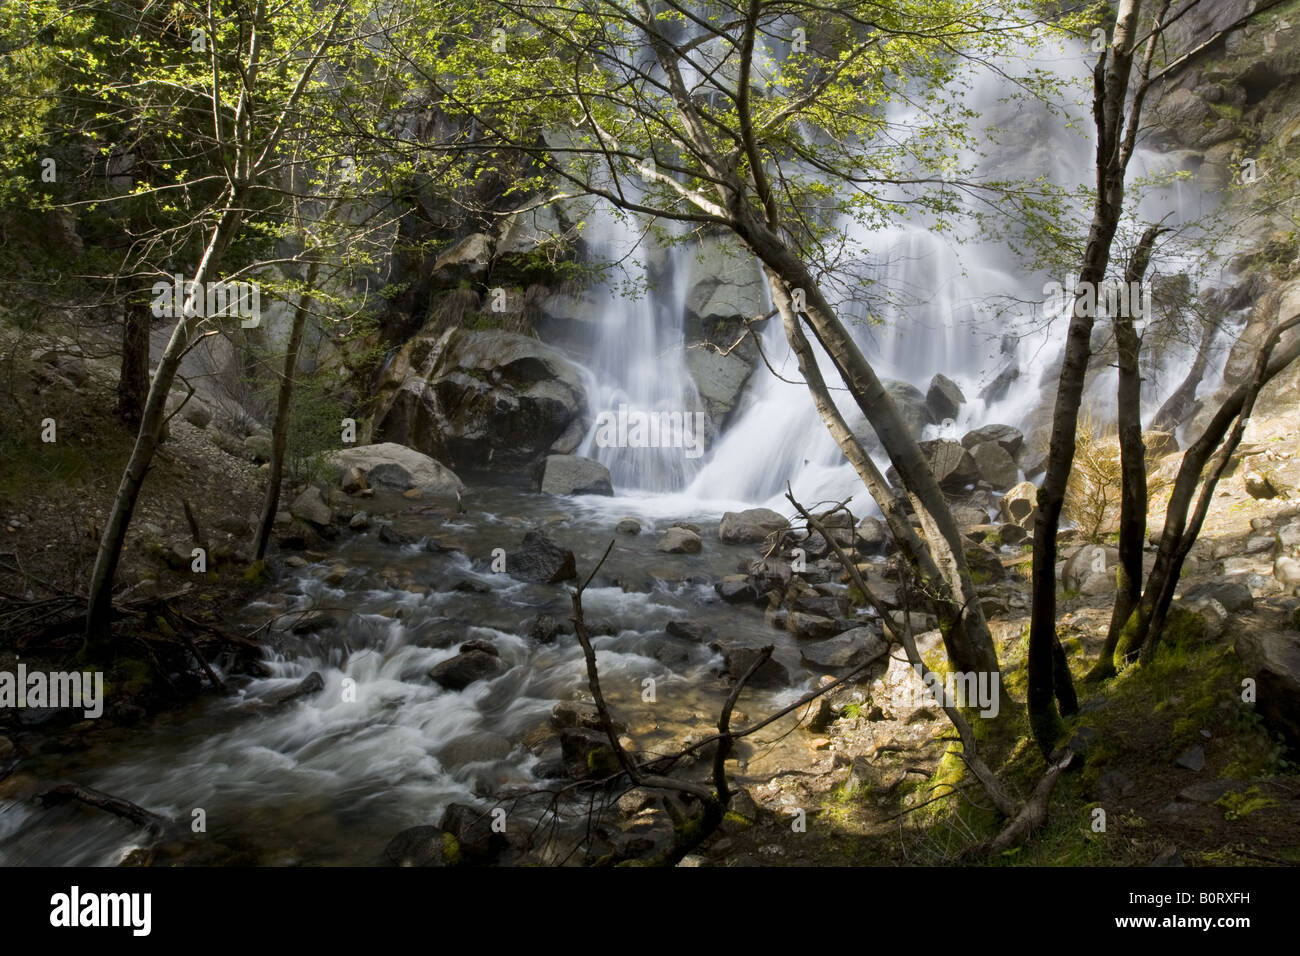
x: 1242, y: 803
x: 1183, y: 625
x: 731, y: 816
x: 255, y: 573
x: 451, y: 849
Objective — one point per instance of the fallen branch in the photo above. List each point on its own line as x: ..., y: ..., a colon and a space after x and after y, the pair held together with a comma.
x: 155, y: 824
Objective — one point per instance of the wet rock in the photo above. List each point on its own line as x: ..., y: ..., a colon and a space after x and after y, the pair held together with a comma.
x: 353, y: 480
x: 751, y: 526
x: 738, y: 658
x: 587, y: 753
x: 628, y: 526
x: 737, y: 589
x: 460, y: 671
x: 313, y: 683
x: 310, y: 506
x: 847, y: 651
x: 572, y: 475
x: 679, y: 541
x: 546, y: 628
x: 359, y: 521
x: 313, y: 621
x: 944, y: 398
x: 473, y: 831
x: 390, y: 535
x: 1011, y: 440
x: 810, y: 626
x: 995, y: 464
x: 541, y: 561
x: 485, y: 646
x: 421, y: 846
x: 690, y: 631
x: 580, y: 713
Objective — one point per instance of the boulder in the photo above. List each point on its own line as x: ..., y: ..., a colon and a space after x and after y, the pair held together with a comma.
x: 953, y: 466
x: 805, y: 625
x: 737, y: 589
x: 738, y: 658
x: 572, y: 475
x: 313, y: 683
x: 1260, y: 486
x: 586, y: 753
x: 1012, y: 440
x: 480, y: 398
x: 871, y: 535
x: 995, y: 464
x: 628, y: 526
x: 751, y: 526
x: 847, y: 651
x: 392, y: 467
x: 257, y: 448
x: 719, y: 378
x: 546, y: 628
x: 310, y: 506
x: 690, y: 631
x: 1159, y: 444
x: 679, y: 541
x: 353, y: 481
x: 540, y: 560
x: 465, y: 668
x: 579, y: 713
x: 985, y: 566
x: 1273, y: 659
x: 421, y: 846
x: 1286, y: 571
x: 944, y: 398
x: 472, y: 830
x: 1082, y: 565
x: 1020, y: 505
x: 1233, y: 596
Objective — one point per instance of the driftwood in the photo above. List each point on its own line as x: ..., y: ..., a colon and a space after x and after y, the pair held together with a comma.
x: 152, y: 822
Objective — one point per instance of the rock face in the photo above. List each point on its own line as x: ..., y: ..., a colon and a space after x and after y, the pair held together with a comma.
x: 541, y: 561
x: 751, y: 526
x: 1273, y: 658
x: 719, y: 379
x: 481, y: 398
x: 572, y: 475
x: 393, y: 467
x: 944, y: 398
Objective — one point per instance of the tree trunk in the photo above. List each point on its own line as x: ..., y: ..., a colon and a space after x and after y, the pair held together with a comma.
x: 1111, y: 86
x: 99, y: 605
x: 280, y: 432
x: 133, y: 380
x: 1132, y: 453
x: 969, y: 641
x: 1141, y: 629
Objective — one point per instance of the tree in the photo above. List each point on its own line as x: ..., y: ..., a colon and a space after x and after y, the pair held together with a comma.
x: 751, y: 120
x: 253, y: 97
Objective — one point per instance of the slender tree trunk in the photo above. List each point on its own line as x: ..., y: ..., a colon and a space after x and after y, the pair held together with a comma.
x: 1140, y: 632
x: 133, y: 380
x: 1111, y: 83
x: 99, y: 604
x: 970, y: 643
x: 280, y: 432
x: 1132, y: 454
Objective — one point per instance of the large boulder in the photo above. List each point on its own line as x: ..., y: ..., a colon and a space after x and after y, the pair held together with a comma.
x: 481, y: 398
x: 1011, y: 439
x: 1273, y: 659
x: 724, y: 282
x: 310, y: 506
x: 719, y: 378
x: 738, y: 658
x: 944, y: 398
x: 540, y: 560
x: 995, y: 464
x: 572, y: 475
x: 751, y: 526
x: 465, y: 668
x: 422, y: 846
x: 394, y: 467
x: 953, y: 466
x: 679, y: 541
x: 848, y: 651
